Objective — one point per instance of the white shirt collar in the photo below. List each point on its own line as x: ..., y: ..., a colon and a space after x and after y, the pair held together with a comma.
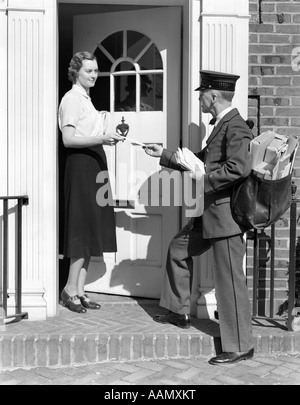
x: 80, y: 90
x: 222, y: 114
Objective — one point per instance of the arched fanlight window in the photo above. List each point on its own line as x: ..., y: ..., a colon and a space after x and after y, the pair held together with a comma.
x: 130, y: 74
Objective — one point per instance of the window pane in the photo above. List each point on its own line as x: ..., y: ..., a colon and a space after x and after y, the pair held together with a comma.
x: 151, y: 60
x: 104, y: 64
x: 114, y: 44
x: 136, y: 43
x: 152, y: 92
x: 125, y: 93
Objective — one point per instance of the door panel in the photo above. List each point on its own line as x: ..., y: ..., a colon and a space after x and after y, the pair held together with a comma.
x: 144, y: 228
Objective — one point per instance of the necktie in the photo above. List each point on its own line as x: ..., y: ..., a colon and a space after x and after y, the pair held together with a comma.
x: 212, y: 121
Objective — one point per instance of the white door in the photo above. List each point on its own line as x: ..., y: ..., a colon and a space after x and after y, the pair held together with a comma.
x: 134, y: 48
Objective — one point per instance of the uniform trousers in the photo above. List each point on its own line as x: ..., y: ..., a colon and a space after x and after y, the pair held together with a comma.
x: 231, y: 291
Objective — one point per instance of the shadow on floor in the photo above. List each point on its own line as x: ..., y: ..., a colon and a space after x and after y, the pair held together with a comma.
x: 206, y: 326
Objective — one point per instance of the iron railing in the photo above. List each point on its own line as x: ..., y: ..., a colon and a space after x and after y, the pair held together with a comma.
x: 290, y: 303
x: 20, y: 201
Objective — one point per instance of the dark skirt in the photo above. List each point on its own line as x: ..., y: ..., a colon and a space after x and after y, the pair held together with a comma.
x: 89, y: 228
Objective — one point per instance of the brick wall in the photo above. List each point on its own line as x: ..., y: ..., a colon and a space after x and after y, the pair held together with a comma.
x: 274, y: 104
x: 273, y: 78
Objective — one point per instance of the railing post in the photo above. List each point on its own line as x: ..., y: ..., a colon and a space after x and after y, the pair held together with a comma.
x: 292, y: 258
x: 272, y: 270
x: 5, y: 254
x: 21, y: 200
x: 255, y: 271
x: 19, y: 259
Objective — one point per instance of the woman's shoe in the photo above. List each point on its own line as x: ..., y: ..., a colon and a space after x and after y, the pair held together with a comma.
x: 87, y: 303
x: 68, y: 302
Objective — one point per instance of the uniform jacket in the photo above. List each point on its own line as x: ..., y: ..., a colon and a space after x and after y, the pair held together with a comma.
x: 227, y: 162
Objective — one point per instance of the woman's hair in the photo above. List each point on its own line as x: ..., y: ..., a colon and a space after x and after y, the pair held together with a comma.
x: 76, y: 64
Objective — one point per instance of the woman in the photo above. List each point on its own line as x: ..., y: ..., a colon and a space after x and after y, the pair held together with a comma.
x: 89, y: 227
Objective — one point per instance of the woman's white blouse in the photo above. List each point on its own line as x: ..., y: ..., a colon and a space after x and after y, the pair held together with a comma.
x: 76, y: 109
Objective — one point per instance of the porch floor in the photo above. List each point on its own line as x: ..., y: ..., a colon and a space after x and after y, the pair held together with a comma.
x: 122, y: 330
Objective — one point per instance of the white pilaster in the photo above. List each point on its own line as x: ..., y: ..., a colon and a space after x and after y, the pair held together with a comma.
x: 32, y: 147
x: 225, y: 39
x: 3, y: 99
x: 3, y: 120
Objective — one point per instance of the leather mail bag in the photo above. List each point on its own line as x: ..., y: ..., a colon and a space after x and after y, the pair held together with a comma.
x: 257, y: 203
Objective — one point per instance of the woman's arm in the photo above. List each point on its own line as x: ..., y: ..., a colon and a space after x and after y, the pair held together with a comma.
x: 72, y: 141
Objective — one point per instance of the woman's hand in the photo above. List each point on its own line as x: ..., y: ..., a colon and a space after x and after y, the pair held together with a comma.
x: 111, y: 139
x: 153, y: 150
x: 72, y: 141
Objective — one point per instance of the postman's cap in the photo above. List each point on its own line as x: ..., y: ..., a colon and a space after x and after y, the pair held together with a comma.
x: 217, y: 81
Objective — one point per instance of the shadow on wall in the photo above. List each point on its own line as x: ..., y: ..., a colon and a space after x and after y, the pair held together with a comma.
x: 141, y: 272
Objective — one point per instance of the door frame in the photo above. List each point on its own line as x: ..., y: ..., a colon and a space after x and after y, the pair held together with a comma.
x: 190, y: 66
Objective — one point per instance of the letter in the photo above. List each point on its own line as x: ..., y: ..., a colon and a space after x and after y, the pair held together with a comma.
x: 161, y: 184
x: 104, y: 196
x: 178, y: 394
x: 160, y: 395
x: 192, y: 391
x: 185, y: 394
x: 169, y: 396
x: 151, y: 395
x: 107, y: 395
x: 135, y: 395
x: 122, y: 181
x: 193, y: 188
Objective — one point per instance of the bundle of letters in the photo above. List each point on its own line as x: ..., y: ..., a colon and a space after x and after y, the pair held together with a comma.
x: 273, y: 155
x: 188, y: 160
x: 193, y: 190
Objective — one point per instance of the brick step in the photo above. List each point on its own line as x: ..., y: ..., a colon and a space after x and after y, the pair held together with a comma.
x: 122, y: 332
